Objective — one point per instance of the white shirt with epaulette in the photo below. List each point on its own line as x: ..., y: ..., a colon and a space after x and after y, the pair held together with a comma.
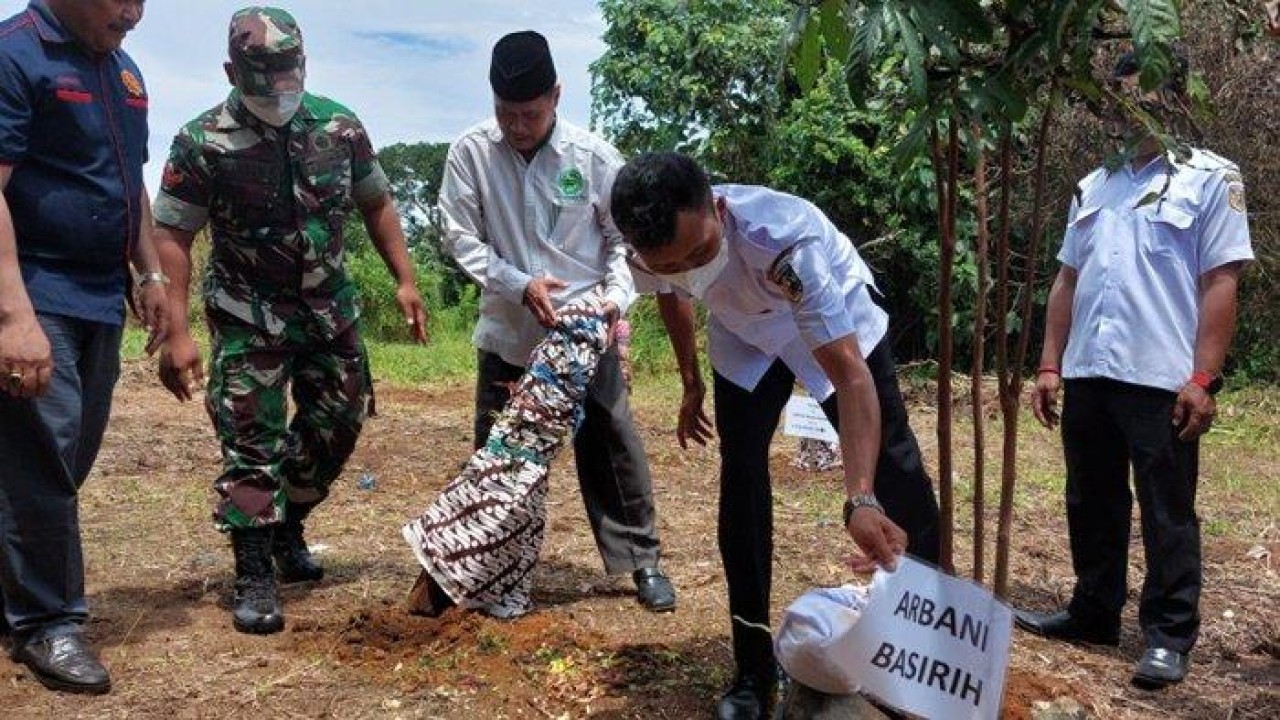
x: 793, y: 283
x: 1139, y: 242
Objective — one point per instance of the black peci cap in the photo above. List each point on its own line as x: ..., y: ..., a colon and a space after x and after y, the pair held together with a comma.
x: 522, y: 69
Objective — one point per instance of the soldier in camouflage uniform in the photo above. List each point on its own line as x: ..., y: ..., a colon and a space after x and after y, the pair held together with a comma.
x: 275, y: 171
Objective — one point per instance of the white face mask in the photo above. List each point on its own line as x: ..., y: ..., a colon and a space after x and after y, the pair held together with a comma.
x: 274, y: 110
x: 697, y: 281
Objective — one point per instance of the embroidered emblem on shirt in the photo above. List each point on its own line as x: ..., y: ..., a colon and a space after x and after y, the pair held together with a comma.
x: 131, y: 83
x: 571, y: 186
x: 1235, y: 196
x: 782, y: 274
x: 172, y: 177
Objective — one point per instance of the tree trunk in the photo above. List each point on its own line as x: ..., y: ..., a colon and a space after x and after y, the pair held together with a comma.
x: 979, y: 361
x: 1011, y: 384
x: 946, y: 171
x: 1002, y: 353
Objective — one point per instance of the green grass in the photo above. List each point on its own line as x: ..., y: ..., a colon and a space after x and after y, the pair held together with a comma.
x: 134, y: 343
x: 447, y: 357
x: 441, y: 360
x: 450, y: 356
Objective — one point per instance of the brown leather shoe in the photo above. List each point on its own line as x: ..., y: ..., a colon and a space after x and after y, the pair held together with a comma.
x: 64, y: 662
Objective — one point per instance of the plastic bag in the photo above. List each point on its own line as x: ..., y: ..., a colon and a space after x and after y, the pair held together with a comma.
x: 811, y: 627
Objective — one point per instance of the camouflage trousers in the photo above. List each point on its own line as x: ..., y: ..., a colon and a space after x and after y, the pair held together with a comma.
x: 267, y: 460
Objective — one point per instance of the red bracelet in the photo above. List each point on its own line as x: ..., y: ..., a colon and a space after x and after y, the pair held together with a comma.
x: 1201, y: 378
x: 1049, y: 369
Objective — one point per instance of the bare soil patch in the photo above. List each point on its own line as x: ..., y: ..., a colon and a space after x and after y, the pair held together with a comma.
x: 159, y: 579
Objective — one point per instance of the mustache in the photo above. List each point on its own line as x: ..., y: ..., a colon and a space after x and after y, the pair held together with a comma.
x: 122, y: 27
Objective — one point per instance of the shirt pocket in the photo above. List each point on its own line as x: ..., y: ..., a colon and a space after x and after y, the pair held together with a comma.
x: 1168, y: 235
x: 326, y: 180
x: 1082, y: 234
x: 573, y: 229
x: 248, y: 194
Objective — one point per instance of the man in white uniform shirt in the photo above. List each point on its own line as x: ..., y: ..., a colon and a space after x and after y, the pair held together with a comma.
x: 787, y: 297
x: 1139, y: 321
x: 525, y: 201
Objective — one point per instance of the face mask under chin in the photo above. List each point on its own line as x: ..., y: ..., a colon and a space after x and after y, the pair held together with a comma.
x: 697, y: 281
x: 274, y: 110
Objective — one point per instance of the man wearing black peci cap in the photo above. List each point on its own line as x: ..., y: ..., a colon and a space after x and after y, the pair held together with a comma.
x: 525, y: 198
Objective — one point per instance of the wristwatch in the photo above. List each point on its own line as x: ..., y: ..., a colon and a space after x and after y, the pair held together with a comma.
x: 1209, y: 383
x: 155, y: 276
x: 857, y: 501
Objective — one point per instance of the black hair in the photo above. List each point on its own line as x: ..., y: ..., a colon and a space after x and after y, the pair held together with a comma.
x: 650, y: 191
x: 1130, y: 64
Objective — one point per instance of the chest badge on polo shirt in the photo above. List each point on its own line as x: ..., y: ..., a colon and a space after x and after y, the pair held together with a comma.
x: 571, y: 186
x: 784, y: 275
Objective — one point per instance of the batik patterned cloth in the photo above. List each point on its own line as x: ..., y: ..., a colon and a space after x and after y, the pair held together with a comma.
x: 481, y: 537
x: 817, y: 455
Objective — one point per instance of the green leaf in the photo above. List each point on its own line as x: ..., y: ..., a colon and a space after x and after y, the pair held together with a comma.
x: 963, y: 20
x: 1154, y: 25
x: 809, y: 55
x: 1087, y: 87
x: 835, y: 28
x: 913, y: 145
x: 1147, y: 199
x: 1201, y: 99
x: 915, y: 60
x: 1153, y: 20
x: 1005, y: 101
x: 868, y: 36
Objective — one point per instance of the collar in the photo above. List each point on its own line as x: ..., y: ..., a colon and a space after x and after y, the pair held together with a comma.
x: 47, y: 25
x: 553, y: 140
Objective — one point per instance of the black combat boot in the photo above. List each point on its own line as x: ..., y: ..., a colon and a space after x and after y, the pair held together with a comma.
x: 293, y: 558
x: 257, y: 607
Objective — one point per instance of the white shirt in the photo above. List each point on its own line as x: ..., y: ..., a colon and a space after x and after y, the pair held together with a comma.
x: 508, y: 221
x: 793, y: 283
x: 1137, y: 302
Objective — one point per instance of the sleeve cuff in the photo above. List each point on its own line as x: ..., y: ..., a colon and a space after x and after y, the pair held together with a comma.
x: 620, y: 297
x: 510, y: 284
x: 169, y: 210
x: 371, y: 186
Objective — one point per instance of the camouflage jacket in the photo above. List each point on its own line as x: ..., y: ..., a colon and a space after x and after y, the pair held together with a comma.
x: 276, y: 200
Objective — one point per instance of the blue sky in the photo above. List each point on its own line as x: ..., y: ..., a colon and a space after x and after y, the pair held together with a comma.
x: 413, y: 70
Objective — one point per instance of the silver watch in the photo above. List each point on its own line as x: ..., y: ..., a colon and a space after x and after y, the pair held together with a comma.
x: 155, y: 276
x: 858, y: 501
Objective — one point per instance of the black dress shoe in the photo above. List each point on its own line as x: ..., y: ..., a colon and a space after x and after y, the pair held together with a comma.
x: 64, y: 662
x: 1160, y: 667
x: 747, y: 699
x: 654, y: 589
x: 1062, y: 626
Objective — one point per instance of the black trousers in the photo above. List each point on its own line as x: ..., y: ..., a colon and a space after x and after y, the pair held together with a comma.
x: 613, y: 472
x: 1107, y: 426
x: 745, y: 422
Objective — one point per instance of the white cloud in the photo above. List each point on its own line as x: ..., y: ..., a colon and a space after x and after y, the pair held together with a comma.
x: 413, y: 71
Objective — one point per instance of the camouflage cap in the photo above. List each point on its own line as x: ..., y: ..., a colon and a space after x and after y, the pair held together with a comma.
x: 265, y: 46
